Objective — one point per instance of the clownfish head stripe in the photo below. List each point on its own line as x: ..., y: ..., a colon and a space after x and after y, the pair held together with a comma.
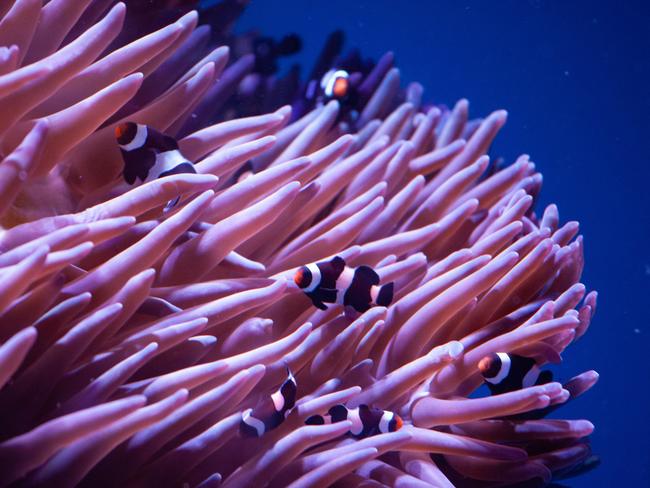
x: 495, y: 367
x: 384, y: 422
x: 130, y: 135
x: 308, y: 277
x: 335, y: 83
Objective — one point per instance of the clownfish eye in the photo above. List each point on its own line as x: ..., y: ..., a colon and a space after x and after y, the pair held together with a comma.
x: 302, y: 278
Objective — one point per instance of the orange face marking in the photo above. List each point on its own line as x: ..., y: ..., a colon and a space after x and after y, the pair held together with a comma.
x: 298, y: 277
x: 485, y: 364
x: 120, y: 130
x: 399, y: 423
x: 340, y: 87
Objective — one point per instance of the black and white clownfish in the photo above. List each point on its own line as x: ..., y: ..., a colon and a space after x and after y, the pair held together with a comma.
x: 270, y: 411
x: 149, y: 154
x: 366, y: 421
x: 504, y: 372
x: 334, y: 282
x: 335, y: 85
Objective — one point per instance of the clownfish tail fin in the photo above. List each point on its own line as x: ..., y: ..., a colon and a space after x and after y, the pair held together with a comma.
x: 385, y: 295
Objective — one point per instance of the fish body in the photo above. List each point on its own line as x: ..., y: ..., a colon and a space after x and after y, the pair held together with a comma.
x: 504, y: 372
x: 149, y: 154
x: 366, y: 421
x: 271, y: 411
x: 334, y: 282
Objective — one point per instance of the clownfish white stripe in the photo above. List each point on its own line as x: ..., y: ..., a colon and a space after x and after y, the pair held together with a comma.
x: 278, y: 401
x: 328, y: 81
x: 139, y: 139
x: 343, y: 283
x: 315, y: 277
x: 385, y: 421
x: 374, y: 291
x: 165, y: 161
x: 357, y: 424
x: 256, y: 424
x: 531, y: 377
x: 503, y: 371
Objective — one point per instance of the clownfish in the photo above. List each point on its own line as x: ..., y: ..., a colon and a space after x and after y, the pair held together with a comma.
x: 149, y: 154
x: 335, y: 84
x: 505, y: 372
x: 366, y: 421
x: 270, y: 411
x: 334, y: 282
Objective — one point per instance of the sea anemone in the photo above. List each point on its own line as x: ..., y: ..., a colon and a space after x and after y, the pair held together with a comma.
x: 133, y: 337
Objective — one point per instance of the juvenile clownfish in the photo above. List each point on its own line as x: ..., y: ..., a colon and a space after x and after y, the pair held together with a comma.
x: 149, y: 154
x: 505, y: 372
x: 270, y: 411
x: 335, y: 84
x: 334, y: 282
x: 366, y: 421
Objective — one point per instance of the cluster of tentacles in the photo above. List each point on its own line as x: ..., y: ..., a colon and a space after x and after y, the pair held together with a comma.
x: 132, y: 339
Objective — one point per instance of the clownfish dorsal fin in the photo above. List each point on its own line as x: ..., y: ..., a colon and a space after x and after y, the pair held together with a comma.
x: 368, y: 274
x: 160, y: 142
x: 338, y: 264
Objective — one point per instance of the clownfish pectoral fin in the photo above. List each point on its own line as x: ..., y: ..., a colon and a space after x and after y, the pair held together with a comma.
x: 368, y: 274
x: 316, y: 300
x: 317, y: 303
x: 327, y: 295
x: 137, y: 164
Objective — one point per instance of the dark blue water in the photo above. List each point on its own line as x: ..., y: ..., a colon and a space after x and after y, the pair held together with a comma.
x: 574, y: 76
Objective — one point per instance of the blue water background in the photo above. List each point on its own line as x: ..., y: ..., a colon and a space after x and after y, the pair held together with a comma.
x: 574, y: 77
